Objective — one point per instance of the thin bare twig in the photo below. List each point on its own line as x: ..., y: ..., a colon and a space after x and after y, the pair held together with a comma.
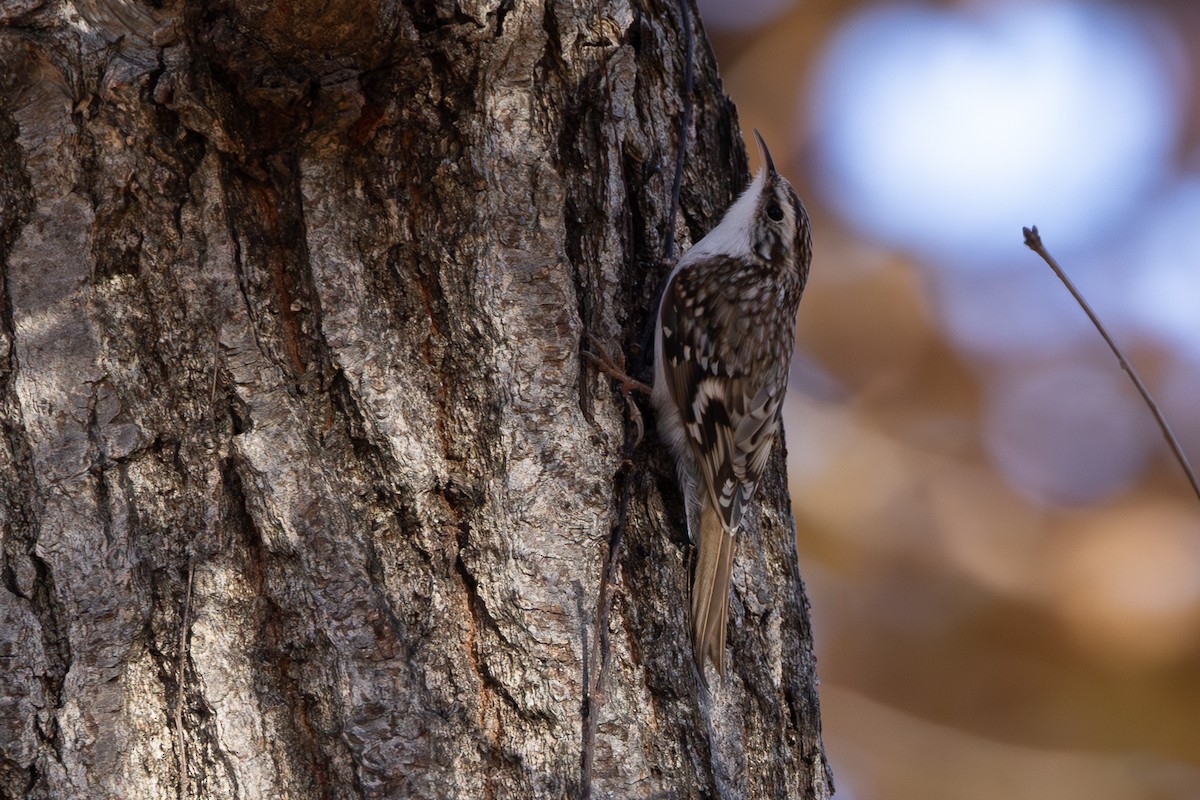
x: 212, y: 391
x: 633, y: 435
x: 184, y: 783
x: 1034, y: 242
x: 685, y: 125
x: 608, y: 581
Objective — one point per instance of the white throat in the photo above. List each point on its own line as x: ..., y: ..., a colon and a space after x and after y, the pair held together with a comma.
x: 733, y: 233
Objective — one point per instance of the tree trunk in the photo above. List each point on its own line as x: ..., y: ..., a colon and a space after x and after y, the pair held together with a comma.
x: 308, y: 490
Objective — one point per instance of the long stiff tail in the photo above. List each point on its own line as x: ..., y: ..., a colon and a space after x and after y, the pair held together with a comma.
x: 710, y: 589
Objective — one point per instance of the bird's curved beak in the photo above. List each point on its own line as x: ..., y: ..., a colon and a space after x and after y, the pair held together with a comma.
x: 765, y: 155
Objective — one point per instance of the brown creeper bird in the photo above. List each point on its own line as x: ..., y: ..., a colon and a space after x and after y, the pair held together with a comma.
x: 722, y: 347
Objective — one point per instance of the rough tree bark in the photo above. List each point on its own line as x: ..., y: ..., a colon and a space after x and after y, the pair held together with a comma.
x: 307, y: 490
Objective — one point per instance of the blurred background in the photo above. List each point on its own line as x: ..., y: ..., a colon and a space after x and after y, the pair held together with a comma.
x: 1002, y: 558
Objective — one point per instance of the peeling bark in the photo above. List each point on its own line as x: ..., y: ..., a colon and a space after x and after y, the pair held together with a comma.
x: 307, y: 490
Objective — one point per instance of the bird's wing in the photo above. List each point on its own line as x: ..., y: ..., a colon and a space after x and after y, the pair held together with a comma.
x: 729, y: 415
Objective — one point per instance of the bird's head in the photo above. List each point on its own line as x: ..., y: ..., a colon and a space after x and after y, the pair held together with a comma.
x: 767, y: 222
x: 778, y: 229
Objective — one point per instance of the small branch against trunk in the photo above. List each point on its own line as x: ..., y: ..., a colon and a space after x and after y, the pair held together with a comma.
x: 1033, y: 241
x: 212, y: 391
x: 608, y: 581
x: 180, y: 734
x: 634, y: 427
x: 685, y: 125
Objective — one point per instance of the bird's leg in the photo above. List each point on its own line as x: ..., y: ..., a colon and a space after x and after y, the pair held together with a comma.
x: 615, y: 369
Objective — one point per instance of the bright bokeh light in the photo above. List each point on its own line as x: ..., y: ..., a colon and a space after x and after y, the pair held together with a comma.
x: 943, y: 131
x: 1164, y: 270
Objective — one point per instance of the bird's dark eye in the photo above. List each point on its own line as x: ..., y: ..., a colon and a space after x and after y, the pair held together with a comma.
x: 775, y: 212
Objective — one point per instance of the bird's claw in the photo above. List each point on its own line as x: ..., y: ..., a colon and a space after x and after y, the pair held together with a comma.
x: 615, y: 369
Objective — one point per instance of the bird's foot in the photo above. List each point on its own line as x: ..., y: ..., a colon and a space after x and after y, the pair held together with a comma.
x: 615, y: 369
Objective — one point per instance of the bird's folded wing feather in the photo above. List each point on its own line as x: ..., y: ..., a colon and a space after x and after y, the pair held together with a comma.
x: 730, y: 417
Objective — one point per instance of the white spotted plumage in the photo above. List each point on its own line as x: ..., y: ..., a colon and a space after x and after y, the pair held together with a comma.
x: 722, y: 348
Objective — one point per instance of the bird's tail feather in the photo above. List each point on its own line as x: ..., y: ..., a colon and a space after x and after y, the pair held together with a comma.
x: 710, y: 589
